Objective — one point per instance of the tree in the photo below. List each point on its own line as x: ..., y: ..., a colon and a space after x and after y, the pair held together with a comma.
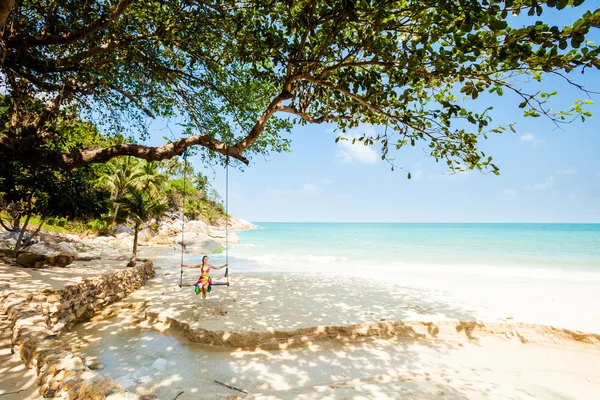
x: 140, y: 207
x: 231, y: 68
x: 48, y: 193
x: 152, y: 179
x: 119, y: 175
x: 201, y: 182
x: 41, y: 190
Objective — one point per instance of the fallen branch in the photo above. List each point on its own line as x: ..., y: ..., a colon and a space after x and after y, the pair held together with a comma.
x: 232, y: 387
x: 178, y: 394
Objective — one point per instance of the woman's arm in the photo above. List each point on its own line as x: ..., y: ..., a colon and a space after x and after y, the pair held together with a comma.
x: 221, y: 267
x: 191, y: 266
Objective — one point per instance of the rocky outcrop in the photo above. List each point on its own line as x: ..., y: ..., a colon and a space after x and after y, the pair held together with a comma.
x: 38, y: 320
x: 33, y: 260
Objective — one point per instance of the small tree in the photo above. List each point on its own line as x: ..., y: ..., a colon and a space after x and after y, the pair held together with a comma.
x: 139, y: 207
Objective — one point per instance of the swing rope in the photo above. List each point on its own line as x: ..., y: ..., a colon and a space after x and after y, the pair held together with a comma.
x: 227, y: 216
x: 226, y: 220
x: 183, y: 216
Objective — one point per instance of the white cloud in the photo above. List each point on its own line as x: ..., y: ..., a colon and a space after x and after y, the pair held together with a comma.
x: 418, y: 175
x: 325, y: 182
x: 309, y: 188
x: 530, y: 138
x: 567, y: 171
x: 357, y: 152
x: 547, y: 184
x: 510, y: 193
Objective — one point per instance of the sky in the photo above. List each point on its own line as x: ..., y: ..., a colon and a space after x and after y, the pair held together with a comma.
x: 547, y: 174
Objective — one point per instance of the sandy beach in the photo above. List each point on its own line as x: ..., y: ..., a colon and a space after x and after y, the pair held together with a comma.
x: 448, y: 348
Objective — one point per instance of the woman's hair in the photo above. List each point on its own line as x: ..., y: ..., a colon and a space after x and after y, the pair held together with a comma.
x: 203, y: 259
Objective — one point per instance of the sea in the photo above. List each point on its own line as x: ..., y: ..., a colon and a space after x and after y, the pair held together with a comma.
x: 560, y: 252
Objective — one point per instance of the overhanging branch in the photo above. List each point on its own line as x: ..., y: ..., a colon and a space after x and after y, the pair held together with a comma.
x: 38, y: 156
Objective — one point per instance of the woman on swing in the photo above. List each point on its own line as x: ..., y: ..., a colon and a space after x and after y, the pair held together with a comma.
x: 204, y: 283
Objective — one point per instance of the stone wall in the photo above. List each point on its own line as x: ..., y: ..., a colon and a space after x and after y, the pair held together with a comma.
x: 38, y: 319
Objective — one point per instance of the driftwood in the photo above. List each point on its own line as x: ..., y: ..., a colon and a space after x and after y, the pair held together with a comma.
x: 232, y: 387
x: 178, y: 394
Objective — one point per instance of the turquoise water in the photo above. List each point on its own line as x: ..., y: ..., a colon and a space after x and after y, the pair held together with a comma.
x: 440, y: 247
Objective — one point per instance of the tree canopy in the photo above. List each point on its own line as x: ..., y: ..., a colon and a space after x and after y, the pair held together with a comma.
x: 231, y: 72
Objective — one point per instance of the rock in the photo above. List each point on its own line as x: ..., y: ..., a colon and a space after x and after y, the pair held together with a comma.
x: 160, y: 364
x: 54, y: 298
x: 32, y: 260
x: 205, y: 246
x: 8, y: 243
x: 145, y: 235
x: 42, y: 249
x: 173, y: 229
x: 123, y: 229
x: 60, y: 260
x: 144, y: 379
x: 101, y: 389
x: 126, y: 381
x: 8, y: 240
x: 67, y: 249
x: 88, y: 257
x: 162, y: 239
x: 96, y: 366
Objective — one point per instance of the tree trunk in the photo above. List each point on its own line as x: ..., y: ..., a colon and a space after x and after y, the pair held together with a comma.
x: 16, y: 223
x: 38, y: 229
x: 116, y: 212
x: 19, y: 243
x: 135, y: 241
x: 23, y: 229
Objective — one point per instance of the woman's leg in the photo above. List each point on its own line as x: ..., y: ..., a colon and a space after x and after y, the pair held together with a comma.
x: 204, y: 289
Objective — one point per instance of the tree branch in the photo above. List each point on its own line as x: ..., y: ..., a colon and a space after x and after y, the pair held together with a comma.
x: 40, y: 156
x: 134, y: 101
x: 308, y: 117
x: 259, y: 127
x: 81, y: 33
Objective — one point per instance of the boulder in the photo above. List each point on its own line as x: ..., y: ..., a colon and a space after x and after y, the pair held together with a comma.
x: 42, y: 249
x: 161, y: 239
x: 8, y: 243
x: 146, y: 234
x: 123, y: 229
x: 33, y: 260
x: 196, y: 226
x: 67, y: 249
x: 204, y: 246
x: 173, y: 229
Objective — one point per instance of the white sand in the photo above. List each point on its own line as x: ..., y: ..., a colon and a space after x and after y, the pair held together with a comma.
x: 453, y: 365
x: 446, y: 368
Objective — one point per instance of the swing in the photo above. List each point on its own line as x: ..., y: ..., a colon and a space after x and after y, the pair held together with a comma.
x: 226, y: 276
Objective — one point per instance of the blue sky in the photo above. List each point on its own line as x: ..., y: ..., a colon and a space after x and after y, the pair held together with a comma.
x: 547, y: 174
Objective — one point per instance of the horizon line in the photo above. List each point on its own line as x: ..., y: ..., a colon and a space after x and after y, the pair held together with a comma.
x: 423, y: 222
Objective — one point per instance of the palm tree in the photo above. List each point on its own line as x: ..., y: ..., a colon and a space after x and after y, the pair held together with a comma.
x: 140, y: 207
x: 201, y: 182
x: 151, y: 178
x: 120, y: 174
